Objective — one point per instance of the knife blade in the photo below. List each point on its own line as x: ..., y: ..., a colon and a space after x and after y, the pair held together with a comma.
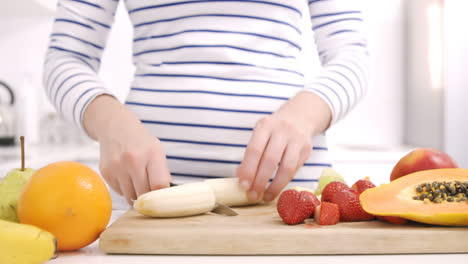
x: 223, y: 210
x: 219, y: 208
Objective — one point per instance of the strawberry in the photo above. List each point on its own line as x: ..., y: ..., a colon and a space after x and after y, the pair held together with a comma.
x: 350, y: 207
x: 362, y: 185
x: 392, y: 219
x: 327, y: 214
x: 315, y: 200
x: 316, y: 203
x: 294, y: 207
x: 331, y: 189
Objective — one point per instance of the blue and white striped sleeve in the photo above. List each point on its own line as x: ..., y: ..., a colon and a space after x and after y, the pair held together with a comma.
x: 342, y: 47
x: 72, y: 61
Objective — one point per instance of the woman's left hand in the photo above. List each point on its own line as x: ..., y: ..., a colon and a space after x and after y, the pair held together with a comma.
x: 281, y: 143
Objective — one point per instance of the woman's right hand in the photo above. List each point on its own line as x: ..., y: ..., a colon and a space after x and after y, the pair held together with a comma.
x: 132, y: 160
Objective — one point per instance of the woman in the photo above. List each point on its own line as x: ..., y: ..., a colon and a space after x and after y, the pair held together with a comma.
x: 218, y: 90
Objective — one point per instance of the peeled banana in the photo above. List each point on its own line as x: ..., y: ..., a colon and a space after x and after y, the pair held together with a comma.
x: 192, y: 198
x: 25, y: 244
x: 182, y: 200
x: 228, y: 191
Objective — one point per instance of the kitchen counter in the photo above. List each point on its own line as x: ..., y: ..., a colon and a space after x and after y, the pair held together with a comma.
x: 92, y: 255
x: 353, y: 163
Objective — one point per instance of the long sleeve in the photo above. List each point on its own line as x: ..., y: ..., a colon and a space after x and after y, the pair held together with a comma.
x: 342, y: 47
x: 72, y: 61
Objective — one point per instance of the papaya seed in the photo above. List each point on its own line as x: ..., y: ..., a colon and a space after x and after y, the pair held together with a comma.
x: 439, y: 192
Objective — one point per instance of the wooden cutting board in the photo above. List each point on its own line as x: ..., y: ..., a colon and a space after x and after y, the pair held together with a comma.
x: 258, y: 230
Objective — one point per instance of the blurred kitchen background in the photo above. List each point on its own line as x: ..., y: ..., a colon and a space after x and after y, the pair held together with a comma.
x: 416, y: 97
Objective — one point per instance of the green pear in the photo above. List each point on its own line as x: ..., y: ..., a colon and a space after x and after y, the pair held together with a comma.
x: 11, y: 187
x: 10, y: 191
x: 328, y: 175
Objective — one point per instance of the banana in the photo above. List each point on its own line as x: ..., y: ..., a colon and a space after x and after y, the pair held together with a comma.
x: 182, y: 200
x: 192, y: 198
x: 228, y: 191
x: 25, y: 244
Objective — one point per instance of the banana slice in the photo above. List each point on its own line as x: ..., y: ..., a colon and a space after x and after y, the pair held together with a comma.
x: 228, y: 191
x: 182, y: 200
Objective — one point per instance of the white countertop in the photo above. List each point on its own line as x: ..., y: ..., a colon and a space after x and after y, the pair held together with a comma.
x: 92, y: 255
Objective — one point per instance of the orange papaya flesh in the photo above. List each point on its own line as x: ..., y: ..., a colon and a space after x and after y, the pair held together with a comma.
x: 402, y: 197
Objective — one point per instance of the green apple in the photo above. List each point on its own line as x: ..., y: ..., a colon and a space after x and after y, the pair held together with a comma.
x: 328, y: 175
x: 10, y: 191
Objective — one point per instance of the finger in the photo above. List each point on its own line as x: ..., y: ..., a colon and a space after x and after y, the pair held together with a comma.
x: 110, y: 177
x: 287, y: 169
x: 136, y: 169
x: 116, y: 186
x: 268, y: 164
x: 158, y: 172
x: 253, y: 153
x: 305, y: 152
x: 126, y: 185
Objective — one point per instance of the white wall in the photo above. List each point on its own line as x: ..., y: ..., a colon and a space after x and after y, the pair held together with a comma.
x: 376, y: 122
x: 456, y: 80
x: 23, y: 41
x: 24, y: 30
x: 425, y: 91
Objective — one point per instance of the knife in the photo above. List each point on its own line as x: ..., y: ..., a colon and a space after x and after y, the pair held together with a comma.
x: 219, y: 208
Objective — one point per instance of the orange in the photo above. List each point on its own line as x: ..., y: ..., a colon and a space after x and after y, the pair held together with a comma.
x: 68, y: 199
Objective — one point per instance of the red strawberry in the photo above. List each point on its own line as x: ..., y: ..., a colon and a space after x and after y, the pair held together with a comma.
x: 350, y: 208
x: 316, y: 203
x: 362, y: 185
x: 327, y: 214
x: 294, y: 207
x: 315, y: 200
x: 331, y: 189
x: 392, y: 219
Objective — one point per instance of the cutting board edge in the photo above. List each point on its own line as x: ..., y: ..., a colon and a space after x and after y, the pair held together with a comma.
x: 125, y: 251
x: 121, y: 243
x: 125, y: 238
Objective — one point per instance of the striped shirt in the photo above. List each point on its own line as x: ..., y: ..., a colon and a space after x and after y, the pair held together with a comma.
x: 208, y: 70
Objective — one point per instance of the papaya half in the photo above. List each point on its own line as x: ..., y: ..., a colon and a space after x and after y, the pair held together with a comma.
x: 438, y: 196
